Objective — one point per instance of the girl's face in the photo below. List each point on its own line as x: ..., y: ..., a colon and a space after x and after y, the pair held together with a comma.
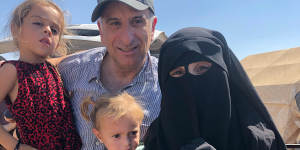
x: 121, y: 134
x: 39, y: 34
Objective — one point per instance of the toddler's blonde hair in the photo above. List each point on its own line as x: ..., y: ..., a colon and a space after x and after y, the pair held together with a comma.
x: 111, y: 106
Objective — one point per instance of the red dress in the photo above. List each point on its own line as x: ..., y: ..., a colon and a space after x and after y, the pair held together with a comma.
x: 43, y: 115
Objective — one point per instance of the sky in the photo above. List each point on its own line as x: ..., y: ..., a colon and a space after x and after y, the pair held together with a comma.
x: 249, y: 26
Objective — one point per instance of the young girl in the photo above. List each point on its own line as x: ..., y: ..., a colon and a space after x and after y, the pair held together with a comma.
x: 32, y: 87
x: 116, y: 120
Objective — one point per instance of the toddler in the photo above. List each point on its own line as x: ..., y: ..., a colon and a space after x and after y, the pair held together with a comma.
x: 116, y: 120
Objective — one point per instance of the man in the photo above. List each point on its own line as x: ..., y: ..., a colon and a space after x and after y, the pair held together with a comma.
x: 124, y: 64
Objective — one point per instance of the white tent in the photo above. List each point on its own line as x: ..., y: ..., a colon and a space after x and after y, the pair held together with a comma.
x: 276, y: 76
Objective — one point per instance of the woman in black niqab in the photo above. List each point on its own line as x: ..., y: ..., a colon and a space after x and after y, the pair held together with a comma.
x: 208, y: 102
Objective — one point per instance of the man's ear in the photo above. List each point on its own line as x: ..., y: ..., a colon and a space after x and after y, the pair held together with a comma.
x: 98, y: 134
x: 153, y: 26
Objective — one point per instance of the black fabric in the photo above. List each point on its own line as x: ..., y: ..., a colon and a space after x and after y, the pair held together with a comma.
x: 220, y: 106
x: 197, y: 144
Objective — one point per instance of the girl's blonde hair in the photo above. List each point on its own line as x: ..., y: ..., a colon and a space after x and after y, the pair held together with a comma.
x: 23, y: 10
x: 111, y: 106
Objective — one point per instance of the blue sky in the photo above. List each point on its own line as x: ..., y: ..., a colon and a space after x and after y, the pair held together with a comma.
x: 249, y: 26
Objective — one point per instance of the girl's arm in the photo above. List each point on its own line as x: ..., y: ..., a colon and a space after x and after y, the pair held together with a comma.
x: 56, y: 61
x: 8, y: 79
x: 8, y: 87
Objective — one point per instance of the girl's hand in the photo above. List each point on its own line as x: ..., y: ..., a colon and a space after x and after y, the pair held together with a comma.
x: 26, y: 147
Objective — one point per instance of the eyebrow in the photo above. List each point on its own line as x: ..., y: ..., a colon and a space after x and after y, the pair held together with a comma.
x: 111, y: 19
x: 138, y: 17
x: 37, y: 17
x: 115, y: 19
x: 54, y: 23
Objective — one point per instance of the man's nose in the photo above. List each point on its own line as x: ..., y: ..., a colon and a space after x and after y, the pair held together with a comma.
x: 127, y: 35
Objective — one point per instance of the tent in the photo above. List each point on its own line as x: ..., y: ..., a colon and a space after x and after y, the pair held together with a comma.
x: 276, y: 77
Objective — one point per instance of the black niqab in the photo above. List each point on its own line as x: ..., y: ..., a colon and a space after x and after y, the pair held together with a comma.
x: 219, y: 107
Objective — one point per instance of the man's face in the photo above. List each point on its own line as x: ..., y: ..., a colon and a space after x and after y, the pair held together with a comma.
x: 127, y: 34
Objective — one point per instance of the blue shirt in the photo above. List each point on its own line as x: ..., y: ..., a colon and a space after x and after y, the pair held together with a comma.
x: 81, y: 76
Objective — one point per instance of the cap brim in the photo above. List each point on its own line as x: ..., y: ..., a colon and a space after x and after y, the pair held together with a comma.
x: 99, y: 8
x: 96, y: 13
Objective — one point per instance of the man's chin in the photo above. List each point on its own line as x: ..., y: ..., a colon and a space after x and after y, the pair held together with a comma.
x: 133, y: 65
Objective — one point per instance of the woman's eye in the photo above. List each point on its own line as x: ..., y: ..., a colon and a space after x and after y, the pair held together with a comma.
x: 199, y: 68
x: 177, y: 72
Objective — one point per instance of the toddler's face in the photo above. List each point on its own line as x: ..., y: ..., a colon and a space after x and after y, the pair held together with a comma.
x: 121, y: 134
